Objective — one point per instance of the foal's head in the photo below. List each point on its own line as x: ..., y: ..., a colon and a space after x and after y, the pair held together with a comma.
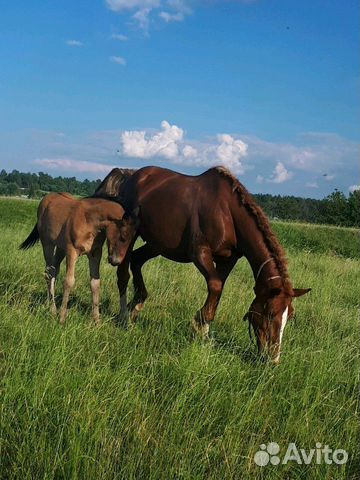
x: 119, y: 235
x: 268, y: 314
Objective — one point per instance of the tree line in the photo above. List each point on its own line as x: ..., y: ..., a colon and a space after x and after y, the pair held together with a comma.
x: 335, y: 209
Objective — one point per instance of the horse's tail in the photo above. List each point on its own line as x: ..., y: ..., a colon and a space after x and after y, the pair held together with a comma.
x: 31, y: 239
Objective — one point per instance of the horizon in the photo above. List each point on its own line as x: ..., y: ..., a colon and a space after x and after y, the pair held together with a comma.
x: 270, y: 91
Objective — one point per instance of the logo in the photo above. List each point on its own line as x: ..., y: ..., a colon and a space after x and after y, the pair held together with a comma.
x: 270, y: 454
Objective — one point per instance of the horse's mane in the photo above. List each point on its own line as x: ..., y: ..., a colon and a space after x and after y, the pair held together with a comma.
x: 262, y: 222
x: 110, y: 186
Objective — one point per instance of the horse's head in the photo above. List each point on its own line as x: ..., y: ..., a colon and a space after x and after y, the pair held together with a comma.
x: 268, y: 314
x: 119, y: 235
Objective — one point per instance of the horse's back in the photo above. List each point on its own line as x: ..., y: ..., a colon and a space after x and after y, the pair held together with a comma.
x: 177, y: 210
x: 53, y: 212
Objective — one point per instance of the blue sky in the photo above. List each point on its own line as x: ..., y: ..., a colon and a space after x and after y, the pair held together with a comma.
x: 268, y: 88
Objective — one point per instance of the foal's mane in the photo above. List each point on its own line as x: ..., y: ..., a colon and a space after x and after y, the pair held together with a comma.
x: 276, y: 250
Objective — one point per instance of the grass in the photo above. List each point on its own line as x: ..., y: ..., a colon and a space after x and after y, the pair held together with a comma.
x: 81, y: 402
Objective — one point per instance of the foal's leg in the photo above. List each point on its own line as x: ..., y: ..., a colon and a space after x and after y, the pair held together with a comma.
x: 69, y: 282
x: 215, y: 279
x: 94, y: 267
x: 58, y: 258
x: 138, y: 258
x: 49, y: 274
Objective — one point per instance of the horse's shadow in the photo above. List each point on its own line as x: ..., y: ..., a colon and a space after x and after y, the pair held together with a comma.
x: 247, y: 355
x: 75, y: 304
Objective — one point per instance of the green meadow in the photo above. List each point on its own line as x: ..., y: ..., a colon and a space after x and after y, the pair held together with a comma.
x: 86, y: 402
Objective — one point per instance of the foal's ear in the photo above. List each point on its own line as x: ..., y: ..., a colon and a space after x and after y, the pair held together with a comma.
x: 298, y: 292
x: 135, y: 212
x: 133, y: 215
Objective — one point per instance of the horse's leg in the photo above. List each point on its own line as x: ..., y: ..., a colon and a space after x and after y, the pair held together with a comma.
x: 94, y: 258
x: 138, y: 258
x: 123, y: 277
x: 58, y: 258
x: 224, y: 267
x: 69, y: 282
x: 49, y: 273
x: 215, y: 279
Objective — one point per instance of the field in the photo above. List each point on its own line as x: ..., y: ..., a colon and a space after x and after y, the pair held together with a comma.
x: 86, y: 402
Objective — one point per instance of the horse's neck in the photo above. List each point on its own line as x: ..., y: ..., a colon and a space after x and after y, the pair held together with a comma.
x: 260, y: 258
x: 100, y: 216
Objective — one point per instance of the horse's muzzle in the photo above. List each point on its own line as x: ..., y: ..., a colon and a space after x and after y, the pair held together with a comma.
x: 114, y: 260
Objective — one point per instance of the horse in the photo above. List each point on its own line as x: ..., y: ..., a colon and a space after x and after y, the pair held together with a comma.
x: 210, y: 220
x: 70, y: 227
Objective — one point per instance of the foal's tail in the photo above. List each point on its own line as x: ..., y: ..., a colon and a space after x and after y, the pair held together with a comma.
x: 31, y: 239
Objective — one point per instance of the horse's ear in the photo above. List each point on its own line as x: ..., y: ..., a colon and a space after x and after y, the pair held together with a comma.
x: 298, y: 292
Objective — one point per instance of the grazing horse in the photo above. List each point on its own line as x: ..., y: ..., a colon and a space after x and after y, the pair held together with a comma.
x: 68, y: 227
x: 212, y: 221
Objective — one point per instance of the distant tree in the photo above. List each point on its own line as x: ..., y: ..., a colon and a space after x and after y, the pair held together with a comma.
x: 32, y: 191
x: 12, y: 189
x: 354, y: 208
x: 336, y: 208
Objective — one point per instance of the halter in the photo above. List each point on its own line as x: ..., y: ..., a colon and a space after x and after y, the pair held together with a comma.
x: 256, y: 279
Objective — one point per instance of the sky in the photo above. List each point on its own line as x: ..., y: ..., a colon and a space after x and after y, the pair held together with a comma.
x: 268, y: 88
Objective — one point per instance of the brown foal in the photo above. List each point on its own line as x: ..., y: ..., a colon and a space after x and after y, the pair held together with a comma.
x: 68, y: 227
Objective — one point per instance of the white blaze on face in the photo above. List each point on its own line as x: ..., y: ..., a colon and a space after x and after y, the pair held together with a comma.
x: 283, y: 323
x: 284, y: 318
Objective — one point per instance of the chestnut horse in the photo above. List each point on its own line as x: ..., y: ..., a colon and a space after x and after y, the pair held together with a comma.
x: 212, y: 221
x: 68, y: 227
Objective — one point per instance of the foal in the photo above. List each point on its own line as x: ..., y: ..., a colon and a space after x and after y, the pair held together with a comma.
x: 68, y: 227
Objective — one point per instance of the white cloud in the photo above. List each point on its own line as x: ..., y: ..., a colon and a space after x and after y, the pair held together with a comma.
x: 172, y: 17
x: 78, y: 166
x: 170, y: 146
x: 311, y: 185
x: 168, y: 143
x: 142, y: 18
x: 118, y: 60
x: 121, y: 5
x: 119, y: 36
x: 311, y: 152
x: 280, y: 174
x: 231, y: 151
x: 189, y: 151
x: 74, y: 43
x: 178, y: 13
x: 162, y: 144
x: 171, y: 10
x: 353, y: 188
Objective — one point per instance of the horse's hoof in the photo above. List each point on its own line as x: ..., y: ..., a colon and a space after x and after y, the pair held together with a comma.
x: 201, y: 329
x: 135, y: 312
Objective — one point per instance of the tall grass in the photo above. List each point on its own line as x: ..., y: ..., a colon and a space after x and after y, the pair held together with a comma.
x: 84, y: 402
